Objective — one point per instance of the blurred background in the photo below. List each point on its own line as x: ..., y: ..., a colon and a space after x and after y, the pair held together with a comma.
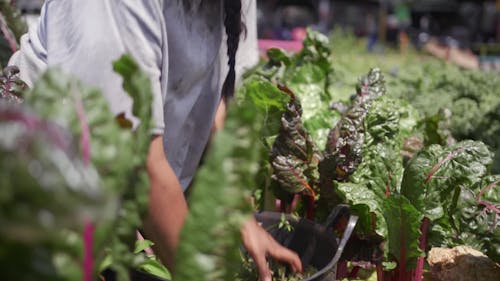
x: 465, y: 22
x: 439, y: 57
x: 470, y: 26
x: 439, y: 53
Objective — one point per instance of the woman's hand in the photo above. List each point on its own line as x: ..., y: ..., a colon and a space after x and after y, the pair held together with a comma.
x: 261, y: 244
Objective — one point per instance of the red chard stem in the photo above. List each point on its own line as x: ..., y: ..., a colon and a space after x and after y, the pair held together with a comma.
x: 422, y: 243
x: 440, y: 163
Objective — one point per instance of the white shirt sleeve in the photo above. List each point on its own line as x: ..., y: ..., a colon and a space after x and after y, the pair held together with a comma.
x: 83, y: 38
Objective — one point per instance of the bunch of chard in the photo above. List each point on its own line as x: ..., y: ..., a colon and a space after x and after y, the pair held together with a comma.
x: 294, y: 156
x: 373, y: 160
x: 62, y: 152
x: 343, y: 152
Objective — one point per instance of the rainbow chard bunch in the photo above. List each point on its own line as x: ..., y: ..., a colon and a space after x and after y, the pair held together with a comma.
x: 343, y: 153
x: 66, y: 161
x: 343, y: 148
x: 294, y: 155
x: 300, y: 167
x: 411, y: 184
x: 361, y: 165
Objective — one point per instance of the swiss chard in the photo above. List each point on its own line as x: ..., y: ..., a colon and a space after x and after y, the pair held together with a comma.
x: 403, y: 221
x: 294, y: 155
x: 12, y: 26
x: 220, y: 200
x: 11, y: 86
x: 433, y: 182
x: 345, y: 140
x: 75, y: 152
x: 477, y: 216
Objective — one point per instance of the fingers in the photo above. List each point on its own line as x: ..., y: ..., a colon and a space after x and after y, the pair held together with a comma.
x: 262, y: 267
x: 256, y: 241
x: 260, y: 244
x: 285, y: 255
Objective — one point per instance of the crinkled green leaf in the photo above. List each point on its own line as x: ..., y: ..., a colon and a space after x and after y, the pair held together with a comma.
x: 308, y: 82
x: 435, y: 173
x: 11, y: 86
x: 403, y: 225
x: 268, y: 101
x: 437, y: 128
x: 477, y: 216
x: 381, y: 170
x: 441, y: 233
x: 316, y: 50
x: 345, y: 140
x: 390, y: 121
x: 210, y: 238
x: 382, y: 166
x: 362, y: 198
x: 265, y: 95
x: 294, y: 155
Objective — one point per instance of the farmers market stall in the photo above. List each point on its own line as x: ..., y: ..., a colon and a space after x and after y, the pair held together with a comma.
x: 365, y: 164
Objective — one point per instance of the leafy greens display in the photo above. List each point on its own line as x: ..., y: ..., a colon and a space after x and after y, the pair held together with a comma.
x: 412, y: 205
x: 76, y: 164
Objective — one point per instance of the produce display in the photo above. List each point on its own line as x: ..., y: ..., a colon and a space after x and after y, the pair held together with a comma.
x: 410, y: 150
x: 429, y: 85
x: 411, y: 183
x: 73, y: 179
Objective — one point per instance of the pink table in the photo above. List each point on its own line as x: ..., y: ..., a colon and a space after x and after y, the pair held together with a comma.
x: 290, y: 46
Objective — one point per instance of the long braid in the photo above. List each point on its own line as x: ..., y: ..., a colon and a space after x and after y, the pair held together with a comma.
x: 233, y: 26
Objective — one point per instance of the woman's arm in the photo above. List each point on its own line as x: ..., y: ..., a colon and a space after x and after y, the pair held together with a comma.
x: 167, y: 204
x: 168, y: 211
x: 220, y: 116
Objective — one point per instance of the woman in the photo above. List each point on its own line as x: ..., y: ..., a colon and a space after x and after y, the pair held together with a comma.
x: 177, y: 43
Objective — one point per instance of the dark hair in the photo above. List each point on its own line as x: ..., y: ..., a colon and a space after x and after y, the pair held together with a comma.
x: 234, y: 27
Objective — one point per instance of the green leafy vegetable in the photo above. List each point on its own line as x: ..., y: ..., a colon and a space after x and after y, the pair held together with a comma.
x: 345, y: 140
x: 220, y: 199
x: 477, y: 216
x: 76, y: 163
x: 403, y: 221
x: 294, y: 156
x: 436, y: 173
x: 11, y: 86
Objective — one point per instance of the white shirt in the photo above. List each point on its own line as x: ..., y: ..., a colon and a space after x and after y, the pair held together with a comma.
x: 177, y: 43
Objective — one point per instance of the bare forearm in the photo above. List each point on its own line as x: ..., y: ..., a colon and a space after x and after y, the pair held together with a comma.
x: 167, y: 205
x: 220, y: 117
